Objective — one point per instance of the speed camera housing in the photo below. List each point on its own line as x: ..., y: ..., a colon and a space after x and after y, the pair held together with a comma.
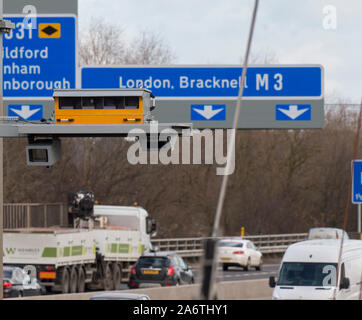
x: 43, y: 153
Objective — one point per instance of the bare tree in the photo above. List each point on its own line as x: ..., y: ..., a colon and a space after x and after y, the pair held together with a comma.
x: 105, y: 44
x: 148, y: 48
x: 101, y: 44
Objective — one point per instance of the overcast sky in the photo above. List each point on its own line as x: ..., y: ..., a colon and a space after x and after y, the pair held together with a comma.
x: 215, y: 32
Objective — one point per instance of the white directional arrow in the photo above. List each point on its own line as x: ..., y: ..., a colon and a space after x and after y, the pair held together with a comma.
x: 293, y: 112
x: 208, y: 112
x: 25, y: 112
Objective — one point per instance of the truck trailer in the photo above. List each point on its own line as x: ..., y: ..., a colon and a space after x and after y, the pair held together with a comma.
x: 96, y: 254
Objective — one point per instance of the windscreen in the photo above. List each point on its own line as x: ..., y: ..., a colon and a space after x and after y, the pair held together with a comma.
x: 156, y: 262
x: 308, y: 274
x: 231, y: 244
x: 128, y: 222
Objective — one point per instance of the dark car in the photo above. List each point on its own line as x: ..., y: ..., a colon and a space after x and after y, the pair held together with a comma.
x: 165, y: 268
x: 18, y: 283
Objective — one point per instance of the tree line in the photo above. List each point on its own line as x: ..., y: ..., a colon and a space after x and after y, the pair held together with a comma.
x: 285, y: 181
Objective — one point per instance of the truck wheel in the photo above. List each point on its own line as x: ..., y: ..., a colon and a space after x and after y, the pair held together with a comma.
x: 73, y: 280
x: 108, y: 281
x: 116, y: 277
x: 81, y: 280
x: 64, y: 280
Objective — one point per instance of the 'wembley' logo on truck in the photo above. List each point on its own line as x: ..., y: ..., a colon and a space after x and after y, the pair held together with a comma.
x: 24, y: 251
x: 9, y: 251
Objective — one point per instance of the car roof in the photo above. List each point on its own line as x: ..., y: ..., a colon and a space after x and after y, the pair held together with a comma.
x: 235, y: 240
x: 164, y: 254
x: 121, y: 296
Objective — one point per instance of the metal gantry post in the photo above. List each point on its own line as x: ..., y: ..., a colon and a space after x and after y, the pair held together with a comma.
x: 5, y: 27
x: 359, y: 222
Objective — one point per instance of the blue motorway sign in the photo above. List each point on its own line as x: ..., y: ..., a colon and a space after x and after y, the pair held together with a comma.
x: 32, y: 112
x: 357, y: 181
x: 39, y: 60
x: 208, y: 112
x: 262, y: 82
x: 293, y: 112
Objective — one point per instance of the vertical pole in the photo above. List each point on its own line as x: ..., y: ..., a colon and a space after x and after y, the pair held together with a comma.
x: 359, y: 221
x: 61, y: 214
x: 209, y: 267
x: 28, y: 216
x: 1, y: 161
x: 45, y: 214
x: 242, y: 232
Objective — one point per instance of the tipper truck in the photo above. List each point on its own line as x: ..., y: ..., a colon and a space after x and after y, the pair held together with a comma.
x: 97, y: 253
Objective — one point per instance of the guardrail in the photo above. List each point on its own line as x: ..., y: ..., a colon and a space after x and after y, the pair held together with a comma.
x: 28, y: 215
x: 193, y: 247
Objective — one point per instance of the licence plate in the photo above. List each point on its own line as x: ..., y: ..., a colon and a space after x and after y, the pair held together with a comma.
x: 225, y: 259
x: 150, y: 272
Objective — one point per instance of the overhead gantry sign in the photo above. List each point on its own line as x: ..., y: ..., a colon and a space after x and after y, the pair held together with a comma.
x: 87, y: 113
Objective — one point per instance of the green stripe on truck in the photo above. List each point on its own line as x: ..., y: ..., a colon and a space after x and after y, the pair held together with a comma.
x: 49, y: 253
x: 118, y: 248
x: 124, y: 248
x: 66, y: 252
x: 77, y: 250
x: 113, y: 247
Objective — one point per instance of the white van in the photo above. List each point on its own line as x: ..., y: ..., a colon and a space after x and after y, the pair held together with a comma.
x: 309, y: 271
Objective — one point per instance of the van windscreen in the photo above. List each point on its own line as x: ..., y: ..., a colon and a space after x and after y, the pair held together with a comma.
x: 308, y: 274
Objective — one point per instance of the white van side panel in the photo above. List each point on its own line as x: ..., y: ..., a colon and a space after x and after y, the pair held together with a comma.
x: 353, y: 271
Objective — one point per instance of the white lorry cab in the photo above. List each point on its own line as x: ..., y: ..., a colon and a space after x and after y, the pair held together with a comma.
x: 134, y: 238
x: 308, y: 271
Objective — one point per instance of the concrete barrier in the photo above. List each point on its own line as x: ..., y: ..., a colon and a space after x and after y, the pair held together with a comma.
x: 238, y: 290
